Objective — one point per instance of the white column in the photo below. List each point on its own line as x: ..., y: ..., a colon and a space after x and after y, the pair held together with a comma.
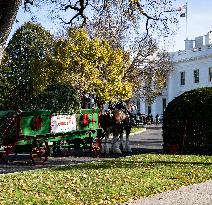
x: 154, y: 108
x: 169, y: 89
x: 142, y: 106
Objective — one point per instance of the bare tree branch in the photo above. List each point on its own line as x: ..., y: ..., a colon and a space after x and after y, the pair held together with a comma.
x: 26, y: 4
x: 79, y: 9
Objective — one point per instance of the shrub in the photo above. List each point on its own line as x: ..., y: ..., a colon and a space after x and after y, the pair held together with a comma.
x: 58, y: 98
x: 188, y: 122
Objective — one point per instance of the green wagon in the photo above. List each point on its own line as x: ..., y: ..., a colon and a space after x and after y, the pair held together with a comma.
x: 37, y: 132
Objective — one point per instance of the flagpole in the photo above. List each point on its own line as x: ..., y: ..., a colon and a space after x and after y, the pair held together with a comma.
x: 186, y: 22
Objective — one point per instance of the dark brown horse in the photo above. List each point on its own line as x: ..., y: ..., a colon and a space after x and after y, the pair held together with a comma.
x: 115, y: 122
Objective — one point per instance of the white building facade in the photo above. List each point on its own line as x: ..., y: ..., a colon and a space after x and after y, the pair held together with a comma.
x: 192, y: 68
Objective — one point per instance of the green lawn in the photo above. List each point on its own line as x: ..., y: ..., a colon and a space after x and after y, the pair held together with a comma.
x: 137, y: 129
x: 104, y: 182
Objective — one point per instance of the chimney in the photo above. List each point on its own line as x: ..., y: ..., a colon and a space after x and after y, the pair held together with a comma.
x: 189, y: 44
x: 208, y: 38
x: 199, y: 41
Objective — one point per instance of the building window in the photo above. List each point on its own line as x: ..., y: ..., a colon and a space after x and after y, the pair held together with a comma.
x: 182, y: 78
x: 210, y: 74
x: 138, y: 105
x: 149, y: 110
x: 196, y: 76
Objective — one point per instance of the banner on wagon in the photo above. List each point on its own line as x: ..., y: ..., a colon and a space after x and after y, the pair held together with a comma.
x: 63, y: 123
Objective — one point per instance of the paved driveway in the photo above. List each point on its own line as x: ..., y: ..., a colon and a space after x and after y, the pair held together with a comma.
x: 149, y: 141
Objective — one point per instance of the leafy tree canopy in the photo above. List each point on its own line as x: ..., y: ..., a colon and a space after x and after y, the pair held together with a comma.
x: 146, y: 66
x: 28, y: 80
x: 57, y: 97
x: 34, y: 63
x: 92, y: 66
x: 30, y: 43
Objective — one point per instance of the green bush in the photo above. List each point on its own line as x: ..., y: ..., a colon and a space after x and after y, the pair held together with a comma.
x: 187, y: 122
x: 58, y: 98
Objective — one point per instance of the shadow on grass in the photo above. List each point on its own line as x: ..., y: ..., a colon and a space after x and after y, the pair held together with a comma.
x: 83, y: 160
x: 24, y: 160
x: 130, y: 164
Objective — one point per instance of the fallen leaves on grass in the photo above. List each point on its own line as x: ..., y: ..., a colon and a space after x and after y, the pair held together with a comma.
x: 105, y: 182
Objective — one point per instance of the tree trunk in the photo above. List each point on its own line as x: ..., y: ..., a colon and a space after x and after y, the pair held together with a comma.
x: 8, y: 12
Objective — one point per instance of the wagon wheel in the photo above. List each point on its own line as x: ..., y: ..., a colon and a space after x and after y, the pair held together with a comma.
x: 39, y: 152
x: 8, y: 140
x: 96, y: 146
x: 7, y: 154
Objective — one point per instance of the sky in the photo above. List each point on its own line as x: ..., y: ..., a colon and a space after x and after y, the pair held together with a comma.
x: 199, y: 22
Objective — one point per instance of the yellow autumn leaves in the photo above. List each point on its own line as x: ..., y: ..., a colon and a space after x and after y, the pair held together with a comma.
x: 91, y: 66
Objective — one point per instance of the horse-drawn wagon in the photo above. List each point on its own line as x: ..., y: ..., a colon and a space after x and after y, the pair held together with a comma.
x: 38, y: 132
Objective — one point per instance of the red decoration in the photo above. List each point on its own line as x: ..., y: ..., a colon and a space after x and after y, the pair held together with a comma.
x: 37, y: 123
x: 85, y: 119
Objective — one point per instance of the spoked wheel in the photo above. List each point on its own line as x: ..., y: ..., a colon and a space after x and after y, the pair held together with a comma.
x: 8, y: 139
x: 7, y: 154
x: 96, y: 147
x: 39, y: 152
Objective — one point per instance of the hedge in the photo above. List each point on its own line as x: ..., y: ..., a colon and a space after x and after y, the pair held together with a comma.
x: 187, y: 123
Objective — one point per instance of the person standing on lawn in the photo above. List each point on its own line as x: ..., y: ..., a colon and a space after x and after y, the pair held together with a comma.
x: 157, y: 119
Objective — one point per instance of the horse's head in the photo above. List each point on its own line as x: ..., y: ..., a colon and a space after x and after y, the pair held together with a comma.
x: 119, y: 116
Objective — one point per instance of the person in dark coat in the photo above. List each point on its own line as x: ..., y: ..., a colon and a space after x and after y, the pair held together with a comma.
x: 157, y: 119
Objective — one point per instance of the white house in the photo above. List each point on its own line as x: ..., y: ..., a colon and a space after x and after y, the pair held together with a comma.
x: 192, y: 68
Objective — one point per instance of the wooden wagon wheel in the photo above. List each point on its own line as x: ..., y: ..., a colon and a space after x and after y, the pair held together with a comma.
x: 9, y: 139
x: 96, y: 147
x: 8, y: 155
x: 39, y: 152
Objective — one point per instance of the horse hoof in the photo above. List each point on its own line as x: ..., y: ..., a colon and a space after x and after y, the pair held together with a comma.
x: 117, y: 151
x: 128, y: 148
x: 127, y: 151
x: 107, y: 151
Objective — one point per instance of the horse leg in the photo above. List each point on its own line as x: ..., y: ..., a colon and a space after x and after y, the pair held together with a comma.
x: 106, y: 148
x: 122, y: 146
x: 115, y: 142
x: 127, y: 143
x: 116, y: 145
